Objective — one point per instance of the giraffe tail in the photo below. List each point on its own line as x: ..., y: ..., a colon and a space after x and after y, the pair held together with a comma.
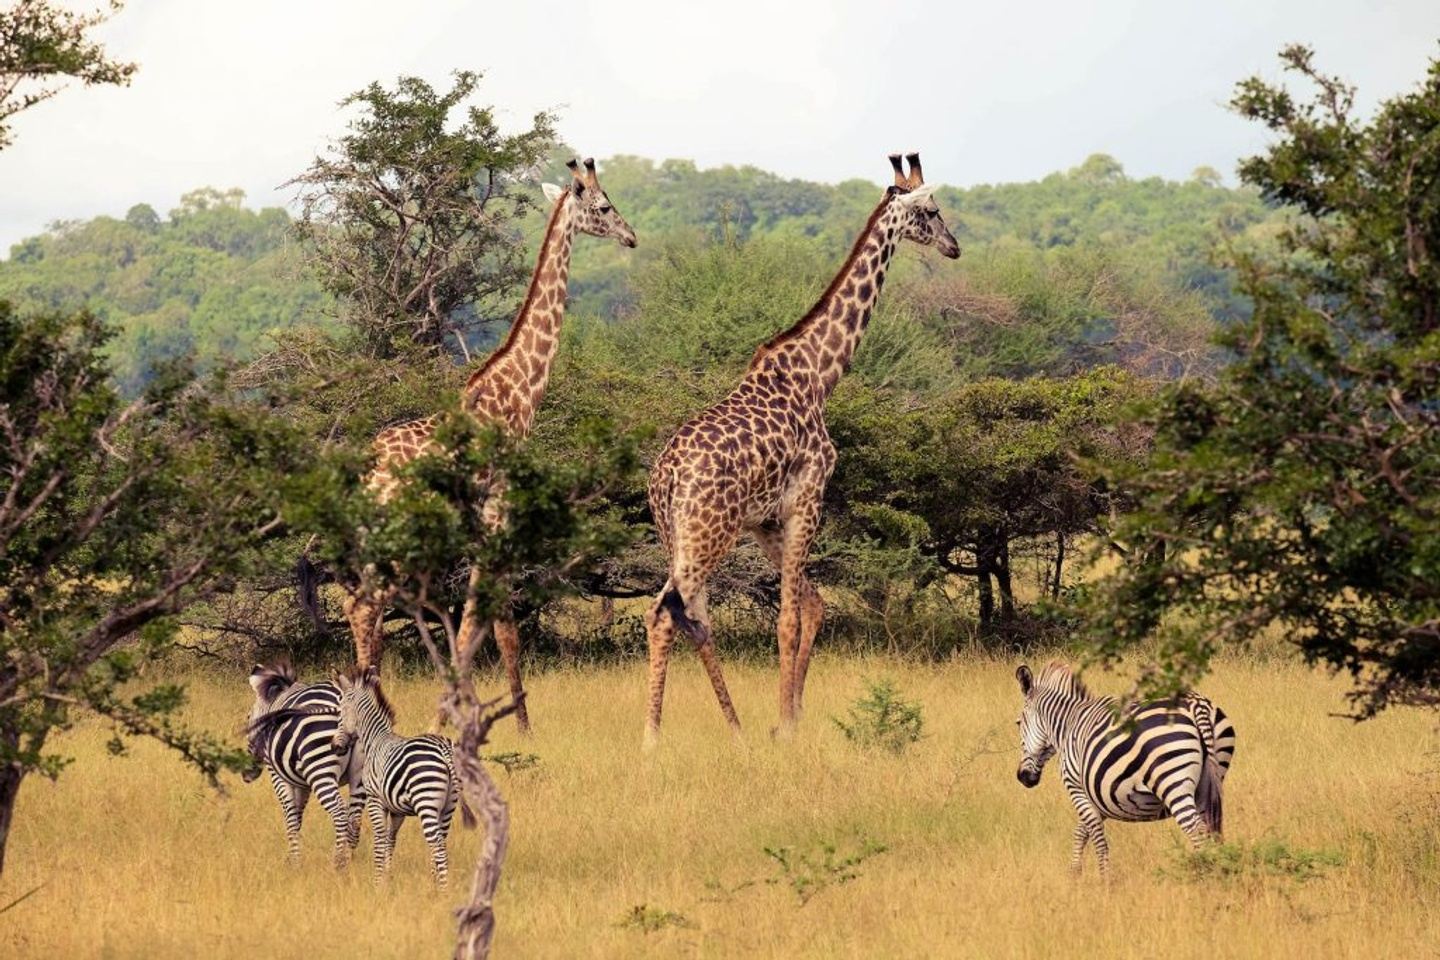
x: 672, y: 602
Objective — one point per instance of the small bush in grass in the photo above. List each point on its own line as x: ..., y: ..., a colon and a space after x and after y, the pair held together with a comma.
x: 807, y: 872
x: 648, y: 919
x: 883, y: 719
x: 1266, y: 858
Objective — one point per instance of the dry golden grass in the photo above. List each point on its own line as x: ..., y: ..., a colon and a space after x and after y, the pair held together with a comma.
x: 138, y: 859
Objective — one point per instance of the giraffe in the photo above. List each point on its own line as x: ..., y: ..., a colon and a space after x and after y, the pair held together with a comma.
x: 505, y: 390
x: 757, y: 462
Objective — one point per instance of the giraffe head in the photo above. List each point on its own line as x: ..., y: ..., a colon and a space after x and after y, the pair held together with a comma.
x: 593, y: 211
x: 920, y: 220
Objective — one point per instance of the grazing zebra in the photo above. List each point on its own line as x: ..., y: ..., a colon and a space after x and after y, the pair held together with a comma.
x: 291, y: 729
x: 402, y: 776
x: 1163, y: 758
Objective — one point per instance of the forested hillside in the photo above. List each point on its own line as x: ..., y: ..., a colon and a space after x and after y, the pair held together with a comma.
x: 1081, y: 268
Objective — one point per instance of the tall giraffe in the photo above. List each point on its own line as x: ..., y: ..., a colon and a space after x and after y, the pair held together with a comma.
x: 505, y: 390
x: 757, y: 462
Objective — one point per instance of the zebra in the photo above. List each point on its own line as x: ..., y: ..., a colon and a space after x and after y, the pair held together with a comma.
x: 1162, y: 758
x: 291, y: 730
x: 402, y: 776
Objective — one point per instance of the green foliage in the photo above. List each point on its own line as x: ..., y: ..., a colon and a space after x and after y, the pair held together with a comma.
x: 883, y: 719
x: 42, y: 45
x: 648, y: 919
x: 409, y: 221
x: 115, y: 517
x: 1302, y: 490
x: 808, y: 872
x: 214, y: 279
x: 1262, y: 859
x: 513, y: 761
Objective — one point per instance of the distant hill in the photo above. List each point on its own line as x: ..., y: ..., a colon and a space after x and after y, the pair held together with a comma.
x: 214, y: 277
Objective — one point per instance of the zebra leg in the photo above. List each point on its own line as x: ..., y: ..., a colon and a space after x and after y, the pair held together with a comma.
x: 1093, y: 827
x: 380, y: 832
x: 435, y: 826
x: 292, y: 802
x: 1183, y: 810
x: 354, y: 813
x: 1077, y: 853
x: 327, y: 792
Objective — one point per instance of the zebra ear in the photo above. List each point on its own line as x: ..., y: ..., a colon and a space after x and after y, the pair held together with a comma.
x: 338, y: 678
x: 372, y: 674
x: 257, y: 678
x: 1027, y: 681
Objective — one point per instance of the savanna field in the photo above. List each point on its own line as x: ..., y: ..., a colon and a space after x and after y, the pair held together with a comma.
x: 1333, y: 845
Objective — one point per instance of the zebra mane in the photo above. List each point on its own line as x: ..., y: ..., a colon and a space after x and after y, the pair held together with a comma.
x: 363, y: 677
x: 1058, y: 676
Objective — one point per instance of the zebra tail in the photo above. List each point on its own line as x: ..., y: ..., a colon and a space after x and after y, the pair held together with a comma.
x: 1207, y: 795
x: 467, y: 816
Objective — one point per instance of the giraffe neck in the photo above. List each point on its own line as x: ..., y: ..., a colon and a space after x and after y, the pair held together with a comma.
x: 827, y: 336
x: 510, y: 385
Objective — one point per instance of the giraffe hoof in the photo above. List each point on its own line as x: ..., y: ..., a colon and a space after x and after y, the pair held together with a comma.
x: 651, y: 741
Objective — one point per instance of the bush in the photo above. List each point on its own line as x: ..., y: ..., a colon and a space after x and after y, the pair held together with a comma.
x: 883, y: 719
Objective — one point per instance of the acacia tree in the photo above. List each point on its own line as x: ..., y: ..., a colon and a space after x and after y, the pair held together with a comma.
x: 1302, y: 490
x: 40, y: 46
x: 557, y: 524
x: 412, y: 223
x: 114, y: 516
x: 979, y: 469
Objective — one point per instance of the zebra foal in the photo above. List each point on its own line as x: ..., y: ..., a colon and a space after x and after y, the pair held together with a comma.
x: 1166, y: 758
x: 401, y: 776
x: 290, y: 733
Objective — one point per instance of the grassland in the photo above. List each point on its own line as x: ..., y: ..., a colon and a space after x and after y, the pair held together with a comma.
x: 1336, y: 825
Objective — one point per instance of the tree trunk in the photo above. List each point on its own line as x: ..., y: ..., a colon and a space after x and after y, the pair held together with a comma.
x: 1059, y: 581
x: 11, y: 774
x: 476, y: 926
x: 987, y: 593
x: 1002, y: 579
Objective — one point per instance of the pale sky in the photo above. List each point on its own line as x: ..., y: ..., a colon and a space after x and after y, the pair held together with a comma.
x: 244, y: 93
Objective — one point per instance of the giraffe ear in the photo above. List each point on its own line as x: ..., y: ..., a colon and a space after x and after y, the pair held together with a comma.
x: 552, y: 191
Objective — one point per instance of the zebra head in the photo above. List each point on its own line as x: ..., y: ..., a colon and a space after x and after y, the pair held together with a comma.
x: 1036, y: 742
x: 268, y: 683
x: 363, y: 707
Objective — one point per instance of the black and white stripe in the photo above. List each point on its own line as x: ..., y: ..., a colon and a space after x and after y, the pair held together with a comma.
x: 402, y: 776
x: 291, y: 733
x: 1161, y: 759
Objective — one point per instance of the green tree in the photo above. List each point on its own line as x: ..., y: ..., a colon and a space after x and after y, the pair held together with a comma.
x: 41, y: 45
x: 114, y: 516
x: 1302, y: 490
x: 410, y: 220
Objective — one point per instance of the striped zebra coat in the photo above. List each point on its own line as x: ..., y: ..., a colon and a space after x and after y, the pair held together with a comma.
x: 402, y: 776
x: 1162, y: 759
x: 291, y: 733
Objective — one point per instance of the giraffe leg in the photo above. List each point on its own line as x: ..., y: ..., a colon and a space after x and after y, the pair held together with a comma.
x: 799, y: 530
x: 660, y: 636
x: 812, y: 615
x: 705, y: 647
x: 507, y: 638
x: 365, y: 612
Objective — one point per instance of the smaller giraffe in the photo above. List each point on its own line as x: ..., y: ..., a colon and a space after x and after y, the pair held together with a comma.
x: 505, y: 389
x: 757, y: 462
